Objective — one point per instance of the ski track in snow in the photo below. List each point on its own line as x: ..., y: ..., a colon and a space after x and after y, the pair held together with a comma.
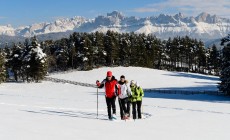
x: 193, y: 110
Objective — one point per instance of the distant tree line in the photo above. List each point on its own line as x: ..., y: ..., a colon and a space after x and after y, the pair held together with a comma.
x: 85, y: 51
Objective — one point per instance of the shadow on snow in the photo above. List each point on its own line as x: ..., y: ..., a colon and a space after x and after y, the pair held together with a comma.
x: 76, y: 114
x: 190, y: 97
x: 195, y: 76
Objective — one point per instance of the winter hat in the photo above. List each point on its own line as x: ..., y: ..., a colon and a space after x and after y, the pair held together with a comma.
x: 132, y: 82
x: 122, y: 76
x: 109, y: 74
x: 137, y: 84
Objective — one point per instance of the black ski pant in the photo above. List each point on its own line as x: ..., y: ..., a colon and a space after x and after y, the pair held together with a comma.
x: 137, y: 109
x: 128, y: 107
x: 124, y: 106
x: 111, y: 105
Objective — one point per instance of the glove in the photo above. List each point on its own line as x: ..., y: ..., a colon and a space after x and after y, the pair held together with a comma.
x: 98, y: 83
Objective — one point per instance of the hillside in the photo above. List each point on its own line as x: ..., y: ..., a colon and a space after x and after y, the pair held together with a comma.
x: 148, y: 78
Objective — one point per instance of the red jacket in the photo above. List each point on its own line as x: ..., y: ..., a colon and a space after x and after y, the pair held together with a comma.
x: 111, y: 87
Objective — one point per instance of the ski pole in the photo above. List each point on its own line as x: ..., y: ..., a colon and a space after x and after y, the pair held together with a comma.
x: 131, y: 110
x: 142, y: 107
x: 97, y: 102
x: 142, y: 110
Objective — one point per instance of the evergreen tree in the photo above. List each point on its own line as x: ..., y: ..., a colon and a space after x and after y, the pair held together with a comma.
x: 87, y: 53
x: 158, y: 53
x: 2, y: 67
x: 111, y: 47
x: 15, y: 61
x: 62, y: 54
x: 150, y: 49
x: 49, y: 49
x: 191, y: 55
x: 124, y: 50
x: 141, y: 51
x: 133, y: 49
x: 224, y: 86
x: 169, y: 54
x: 99, y: 50
x: 36, y: 62
x: 213, y: 60
x: 201, y: 57
x: 175, y: 52
x: 7, y: 52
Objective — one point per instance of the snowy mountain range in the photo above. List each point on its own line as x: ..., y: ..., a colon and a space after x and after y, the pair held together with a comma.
x: 204, y: 26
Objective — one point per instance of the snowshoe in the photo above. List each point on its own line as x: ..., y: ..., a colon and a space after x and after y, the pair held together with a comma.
x: 114, y: 117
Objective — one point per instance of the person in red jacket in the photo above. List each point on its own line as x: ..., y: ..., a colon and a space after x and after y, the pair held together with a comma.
x: 111, y: 91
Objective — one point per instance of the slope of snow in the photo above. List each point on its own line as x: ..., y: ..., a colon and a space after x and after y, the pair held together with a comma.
x: 104, y: 29
x: 46, y: 110
x: 148, y: 78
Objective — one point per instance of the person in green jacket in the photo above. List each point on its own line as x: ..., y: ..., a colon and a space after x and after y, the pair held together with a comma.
x: 136, y: 99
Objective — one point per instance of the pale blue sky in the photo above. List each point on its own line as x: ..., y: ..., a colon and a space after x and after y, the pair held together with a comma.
x: 26, y: 12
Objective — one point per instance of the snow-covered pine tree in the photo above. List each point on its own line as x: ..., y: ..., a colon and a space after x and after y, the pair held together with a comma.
x: 224, y: 86
x: 2, y: 67
x: 15, y: 61
x: 62, y: 55
x: 36, y: 62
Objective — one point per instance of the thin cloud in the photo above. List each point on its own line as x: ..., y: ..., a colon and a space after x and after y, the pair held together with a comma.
x: 191, y: 7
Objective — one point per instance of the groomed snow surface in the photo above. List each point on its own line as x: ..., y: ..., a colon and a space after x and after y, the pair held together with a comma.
x: 57, y: 111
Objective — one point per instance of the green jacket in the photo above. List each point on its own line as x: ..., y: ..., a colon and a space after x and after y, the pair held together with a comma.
x: 137, y: 94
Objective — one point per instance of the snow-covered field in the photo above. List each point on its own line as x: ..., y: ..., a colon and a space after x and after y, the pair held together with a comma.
x: 148, y: 78
x: 57, y: 111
